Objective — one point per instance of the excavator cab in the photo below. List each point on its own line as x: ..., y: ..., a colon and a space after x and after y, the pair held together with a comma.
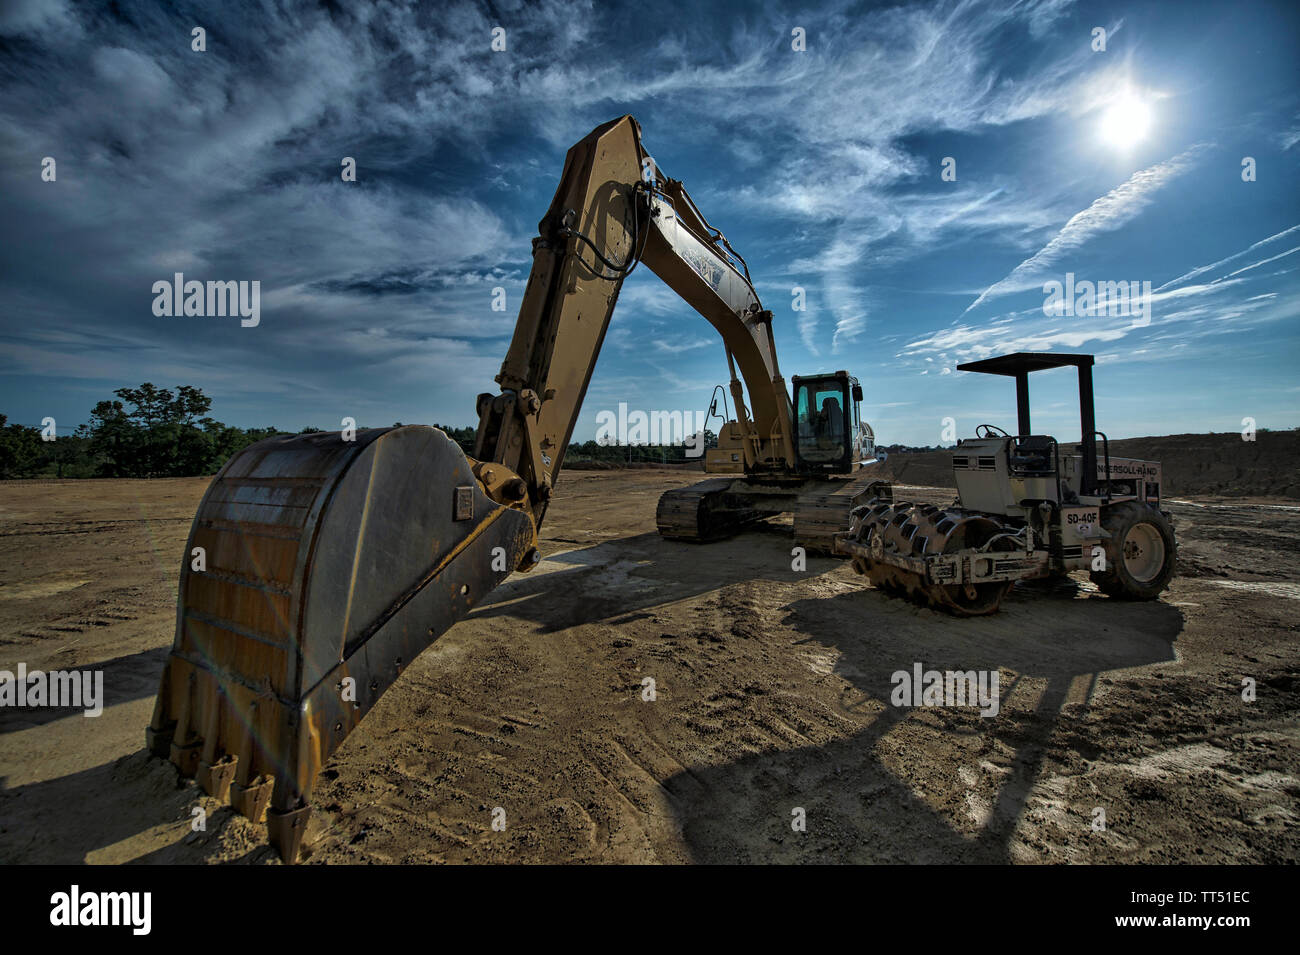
x: 832, y: 437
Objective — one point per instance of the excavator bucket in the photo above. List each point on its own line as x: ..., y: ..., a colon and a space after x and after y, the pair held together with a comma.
x: 317, y: 569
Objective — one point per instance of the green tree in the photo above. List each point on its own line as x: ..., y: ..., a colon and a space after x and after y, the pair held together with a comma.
x: 21, y: 449
x: 114, y: 441
x: 464, y: 437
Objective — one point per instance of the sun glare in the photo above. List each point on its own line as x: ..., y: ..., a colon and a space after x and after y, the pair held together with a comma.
x: 1125, y: 122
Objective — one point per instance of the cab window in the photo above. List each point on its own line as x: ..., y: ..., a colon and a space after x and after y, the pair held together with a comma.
x: 822, y: 423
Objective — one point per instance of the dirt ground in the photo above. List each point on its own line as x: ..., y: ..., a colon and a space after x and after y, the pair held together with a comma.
x: 773, y: 694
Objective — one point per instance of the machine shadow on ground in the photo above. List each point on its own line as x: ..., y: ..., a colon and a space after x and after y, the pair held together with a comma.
x: 866, y: 800
x: 613, y: 581
x: 879, y: 796
x: 130, y: 677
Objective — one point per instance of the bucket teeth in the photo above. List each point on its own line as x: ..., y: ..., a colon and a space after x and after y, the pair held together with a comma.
x: 186, y: 756
x: 251, y: 800
x: 159, y: 741
x: 286, y: 828
x: 216, y: 778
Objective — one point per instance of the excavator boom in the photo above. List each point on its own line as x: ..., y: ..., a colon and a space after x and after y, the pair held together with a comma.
x: 612, y: 211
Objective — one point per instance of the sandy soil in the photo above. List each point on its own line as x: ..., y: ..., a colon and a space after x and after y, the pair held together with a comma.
x: 772, y: 695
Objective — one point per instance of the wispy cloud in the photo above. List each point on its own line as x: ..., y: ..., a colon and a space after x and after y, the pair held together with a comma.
x: 1202, y: 269
x: 1272, y: 258
x: 1106, y: 214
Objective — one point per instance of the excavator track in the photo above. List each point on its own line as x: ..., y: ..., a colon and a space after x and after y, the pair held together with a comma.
x: 711, y: 511
x: 910, y: 533
x: 824, y: 510
x: 704, y: 512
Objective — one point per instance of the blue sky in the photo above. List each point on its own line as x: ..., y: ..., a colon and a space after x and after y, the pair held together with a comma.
x: 822, y: 166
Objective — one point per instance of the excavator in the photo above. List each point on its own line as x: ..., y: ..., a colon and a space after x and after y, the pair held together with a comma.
x: 320, y: 565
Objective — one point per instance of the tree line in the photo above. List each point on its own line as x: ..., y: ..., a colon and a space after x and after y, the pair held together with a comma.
x: 150, y: 432
x: 140, y: 433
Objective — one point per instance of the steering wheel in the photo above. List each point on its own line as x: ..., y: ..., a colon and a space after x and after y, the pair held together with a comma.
x: 989, y: 430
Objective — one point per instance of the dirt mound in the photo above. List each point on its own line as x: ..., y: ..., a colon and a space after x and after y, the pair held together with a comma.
x: 1223, y: 464
x: 1218, y: 464
x: 922, y: 468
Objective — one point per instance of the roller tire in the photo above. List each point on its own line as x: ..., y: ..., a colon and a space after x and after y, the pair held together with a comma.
x: 1141, y: 552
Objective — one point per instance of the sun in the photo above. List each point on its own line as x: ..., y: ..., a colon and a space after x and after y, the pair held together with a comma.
x: 1126, y: 121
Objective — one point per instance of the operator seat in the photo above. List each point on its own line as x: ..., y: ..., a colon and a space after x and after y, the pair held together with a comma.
x: 1033, y: 455
x: 833, y: 415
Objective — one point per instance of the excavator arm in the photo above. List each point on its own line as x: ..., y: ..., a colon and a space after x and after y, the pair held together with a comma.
x: 613, y: 210
x: 320, y: 565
